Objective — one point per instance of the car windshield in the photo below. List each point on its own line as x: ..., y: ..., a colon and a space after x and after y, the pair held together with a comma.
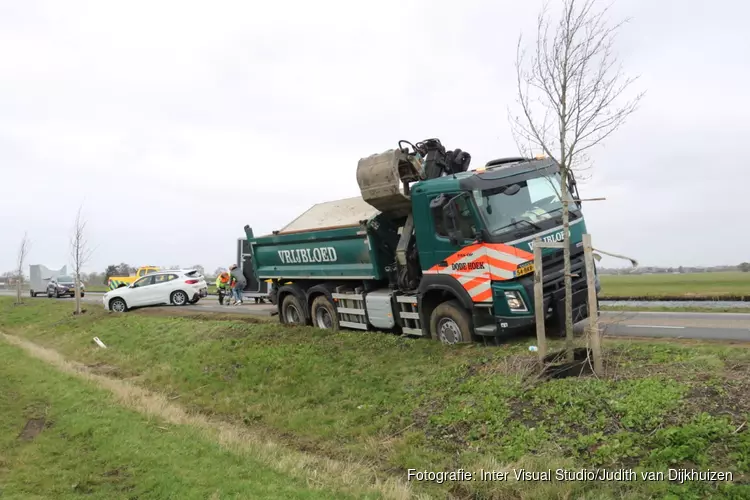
x: 523, y: 207
x: 65, y: 279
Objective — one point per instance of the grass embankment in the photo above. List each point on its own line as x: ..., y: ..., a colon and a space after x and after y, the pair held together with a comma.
x: 698, y: 286
x: 61, y: 437
x: 399, y: 404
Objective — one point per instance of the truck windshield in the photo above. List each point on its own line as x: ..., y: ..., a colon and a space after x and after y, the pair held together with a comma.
x: 523, y: 207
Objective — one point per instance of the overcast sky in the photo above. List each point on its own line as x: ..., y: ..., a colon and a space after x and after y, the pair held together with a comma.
x: 176, y: 123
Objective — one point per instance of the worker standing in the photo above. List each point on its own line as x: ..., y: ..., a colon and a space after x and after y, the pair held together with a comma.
x: 240, y: 282
x: 222, y: 286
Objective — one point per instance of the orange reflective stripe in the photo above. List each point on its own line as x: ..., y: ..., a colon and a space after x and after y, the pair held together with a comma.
x: 483, y: 296
x: 476, y: 265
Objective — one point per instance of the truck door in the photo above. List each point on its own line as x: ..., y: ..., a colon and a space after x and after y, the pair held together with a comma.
x: 463, y: 260
x: 245, y: 262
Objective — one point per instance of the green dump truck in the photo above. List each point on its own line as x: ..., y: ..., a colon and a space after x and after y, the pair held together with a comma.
x: 430, y: 248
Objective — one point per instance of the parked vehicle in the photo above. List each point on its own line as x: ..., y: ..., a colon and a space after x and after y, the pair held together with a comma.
x: 63, y: 286
x: 118, y: 281
x: 430, y: 249
x: 40, y: 276
x: 176, y: 287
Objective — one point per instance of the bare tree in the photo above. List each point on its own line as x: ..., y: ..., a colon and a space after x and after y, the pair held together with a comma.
x: 23, y: 252
x: 571, y: 94
x: 80, y: 253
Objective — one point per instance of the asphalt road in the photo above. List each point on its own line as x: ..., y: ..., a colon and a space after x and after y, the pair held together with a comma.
x: 709, y: 326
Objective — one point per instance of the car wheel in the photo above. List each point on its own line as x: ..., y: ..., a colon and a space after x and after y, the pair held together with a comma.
x: 83, y: 295
x: 324, y: 314
x: 179, y: 298
x: 57, y: 293
x: 291, y: 311
x: 450, y: 323
x: 118, y: 305
x: 49, y: 294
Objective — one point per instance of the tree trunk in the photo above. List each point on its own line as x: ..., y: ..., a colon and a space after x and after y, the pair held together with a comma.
x: 566, y: 266
x: 18, y: 291
x: 78, y: 296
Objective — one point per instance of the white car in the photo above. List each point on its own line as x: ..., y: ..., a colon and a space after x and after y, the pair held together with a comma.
x: 164, y: 287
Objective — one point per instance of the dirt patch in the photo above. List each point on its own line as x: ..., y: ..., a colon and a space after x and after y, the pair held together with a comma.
x: 179, y: 312
x: 105, y: 369
x: 728, y: 400
x: 33, y: 427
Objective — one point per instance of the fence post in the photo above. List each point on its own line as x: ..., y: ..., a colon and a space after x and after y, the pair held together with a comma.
x: 541, y: 336
x: 593, y: 329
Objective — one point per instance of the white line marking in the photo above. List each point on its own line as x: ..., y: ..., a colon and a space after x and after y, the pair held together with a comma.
x: 654, y: 326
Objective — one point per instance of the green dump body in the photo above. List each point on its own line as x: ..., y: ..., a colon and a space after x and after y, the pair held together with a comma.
x: 342, y: 240
x: 333, y: 253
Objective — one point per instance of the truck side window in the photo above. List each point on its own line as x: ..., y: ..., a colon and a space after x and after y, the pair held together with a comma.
x: 465, y: 222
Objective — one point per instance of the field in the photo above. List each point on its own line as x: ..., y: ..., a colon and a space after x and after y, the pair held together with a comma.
x: 61, y: 437
x: 677, y: 308
x: 696, y: 285
x: 388, y: 404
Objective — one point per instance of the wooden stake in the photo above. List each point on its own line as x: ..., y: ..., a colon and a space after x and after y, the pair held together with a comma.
x: 541, y: 336
x: 596, y: 347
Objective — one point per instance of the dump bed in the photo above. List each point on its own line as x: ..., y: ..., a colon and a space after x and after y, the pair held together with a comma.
x: 328, y: 241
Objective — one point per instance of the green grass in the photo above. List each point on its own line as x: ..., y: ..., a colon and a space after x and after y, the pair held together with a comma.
x: 678, y: 309
x: 83, y: 445
x: 676, y: 285
x: 400, y: 403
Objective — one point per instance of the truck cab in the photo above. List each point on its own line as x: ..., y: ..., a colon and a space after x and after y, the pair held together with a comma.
x: 475, y: 232
x: 118, y: 281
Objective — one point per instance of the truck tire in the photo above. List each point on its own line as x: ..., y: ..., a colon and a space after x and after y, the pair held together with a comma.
x: 323, y: 314
x: 291, y: 311
x: 450, y: 323
x: 31, y: 292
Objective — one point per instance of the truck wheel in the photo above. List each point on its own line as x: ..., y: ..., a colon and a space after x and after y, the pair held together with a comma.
x: 450, y: 323
x: 31, y: 292
x: 179, y: 298
x: 324, y: 314
x: 291, y: 311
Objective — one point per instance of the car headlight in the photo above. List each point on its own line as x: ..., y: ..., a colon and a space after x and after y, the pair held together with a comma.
x: 515, y: 302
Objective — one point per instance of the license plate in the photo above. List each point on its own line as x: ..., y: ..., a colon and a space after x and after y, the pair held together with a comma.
x: 525, y: 269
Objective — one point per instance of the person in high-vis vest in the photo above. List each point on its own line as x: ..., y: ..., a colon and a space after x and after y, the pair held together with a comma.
x: 223, y: 282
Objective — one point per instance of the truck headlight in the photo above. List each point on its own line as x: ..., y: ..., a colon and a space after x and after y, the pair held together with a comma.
x: 515, y: 302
